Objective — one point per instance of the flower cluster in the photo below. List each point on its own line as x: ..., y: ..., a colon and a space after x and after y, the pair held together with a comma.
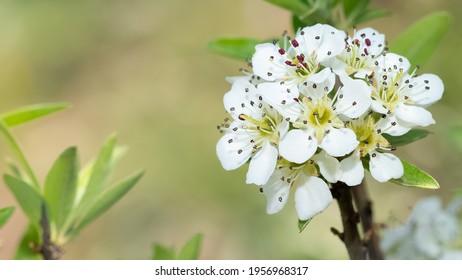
x: 314, y: 110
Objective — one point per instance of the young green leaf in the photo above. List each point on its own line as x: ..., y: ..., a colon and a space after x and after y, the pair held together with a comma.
x: 109, y: 198
x: 61, y: 185
x: 302, y: 225
x: 419, y: 41
x: 240, y: 48
x: 5, y: 214
x: 412, y: 136
x: 29, y: 113
x: 26, y: 250
x: 416, y: 178
x: 161, y: 252
x: 369, y: 15
x: 191, y: 249
x: 297, y: 7
x: 29, y: 200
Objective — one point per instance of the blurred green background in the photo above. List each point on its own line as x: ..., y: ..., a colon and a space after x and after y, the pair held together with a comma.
x: 141, y: 68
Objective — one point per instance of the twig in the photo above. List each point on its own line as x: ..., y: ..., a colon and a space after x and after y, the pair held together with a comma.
x: 350, y: 236
x: 48, y: 249
x: 364, y: 206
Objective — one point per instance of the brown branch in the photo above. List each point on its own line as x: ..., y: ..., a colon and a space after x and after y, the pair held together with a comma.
x: 48, y: 249
x: 350, y: 236
x: 364, y: 206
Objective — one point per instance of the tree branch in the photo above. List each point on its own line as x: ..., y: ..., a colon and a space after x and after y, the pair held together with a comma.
x: 48, y: 249
x: 364, y: 206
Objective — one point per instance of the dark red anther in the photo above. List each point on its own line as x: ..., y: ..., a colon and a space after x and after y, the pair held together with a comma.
x: 289, y: 63
x: 296, y: 99
x: 242, y: 117
x: 295, y: 43
x: 300, y: 58
x: 365, y: 51
x: 281, y: 51
x: 368, y: 42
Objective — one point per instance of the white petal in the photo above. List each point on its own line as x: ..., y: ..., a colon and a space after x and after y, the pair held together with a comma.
x: 354, y: 98
x: 393, y: 62
x: 427, y: 89
x: 390, y: 125
x: 237, y: 99
x: 323, y: 39
x: 377, y: 106
x: 371, y: 40
x: 298, y: 145
x: 282, y: 97
x: 262, y: 165
x: 277, y: 192
x: 311, y: 197
x: 328, y: 166
x: 228, y: 148
x: 319, y: 84
x: 414, y: 115
x: 353, y: 170
x: 385, y: 166
x: 339, y: 142
x: 268, y: 63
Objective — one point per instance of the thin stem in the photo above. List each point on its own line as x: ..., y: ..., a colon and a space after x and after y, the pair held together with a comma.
x: 48, y: 249
x: 364, y: 206
x: 18, y: 151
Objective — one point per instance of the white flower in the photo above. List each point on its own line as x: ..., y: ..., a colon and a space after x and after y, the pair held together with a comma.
x: 382, y: 166
x: 301, y: 61
x: 252, y: 135
x: 317, y: 117
x: 360, y: 54
x: 402, y: 96
x: 312, y: 195
x: 430, y: 233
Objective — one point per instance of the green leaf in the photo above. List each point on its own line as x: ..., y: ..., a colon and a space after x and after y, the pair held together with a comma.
x: 29, y: 200
x: 297, y: 7
x: 371, y: 14
x: 302, y: 224
x: 412, y: 136
x: 354, y: 6
x: 416, y: 178
x: 241, y: 48
x: 297, y: 23
x: 109, y: 198
x: 191, y: 250
x: 161, y: 252
x: 5, y: 214
x: 419, y: 41
x: 25, y: 251
x: 61, y: 185
x: 29, y: 113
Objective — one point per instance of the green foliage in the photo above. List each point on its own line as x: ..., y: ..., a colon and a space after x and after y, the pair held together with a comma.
x: 30, y: 113
x: 297, y: 7
x: 412, y: 136
x: 240, y: 48
x: 28, y: 247
x: 303, y: 224
x: 5, y: 214
x: 419, y: 41
x: 190, y: 250
x: 416, y: 178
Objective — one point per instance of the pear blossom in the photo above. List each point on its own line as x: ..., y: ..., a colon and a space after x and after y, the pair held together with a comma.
x: 253, y: 134
x: 431, y: 232
x: 383, y: 166
x: 404, y: 97
x: 312, y: 194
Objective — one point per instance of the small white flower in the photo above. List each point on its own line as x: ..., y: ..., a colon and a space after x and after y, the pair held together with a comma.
x: 302, y: 60
x: 316, y: 117
x: 312, y: 194
x: 402, y: 96
x: 382, y: 166
x: 430, y: 233
x: 252, y: 135
x: 360, y: 54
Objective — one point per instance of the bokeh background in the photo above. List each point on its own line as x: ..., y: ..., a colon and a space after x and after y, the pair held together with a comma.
x: 141, y: 68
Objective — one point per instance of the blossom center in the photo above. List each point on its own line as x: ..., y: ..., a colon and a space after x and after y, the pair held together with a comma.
x: 368, y: 136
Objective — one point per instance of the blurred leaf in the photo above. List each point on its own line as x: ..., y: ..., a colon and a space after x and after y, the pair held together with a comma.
x: 109, y: 198
x: 297, y: 7
x: 163, y: 253
x: 302, y: 225
x: 191, y: 249
x: 61, y: 185
x: 416, y: 178
x: 26, y: 250
x: 29, y: 200
x: 412, y: 136
x: 420, y: 40
x: 241, y: 48
x: 5, y: 214
x: 297, y: 23
x: 29, y: 113
x: 455, y: 134
x: 354, y: 7
x: 371, y: 14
